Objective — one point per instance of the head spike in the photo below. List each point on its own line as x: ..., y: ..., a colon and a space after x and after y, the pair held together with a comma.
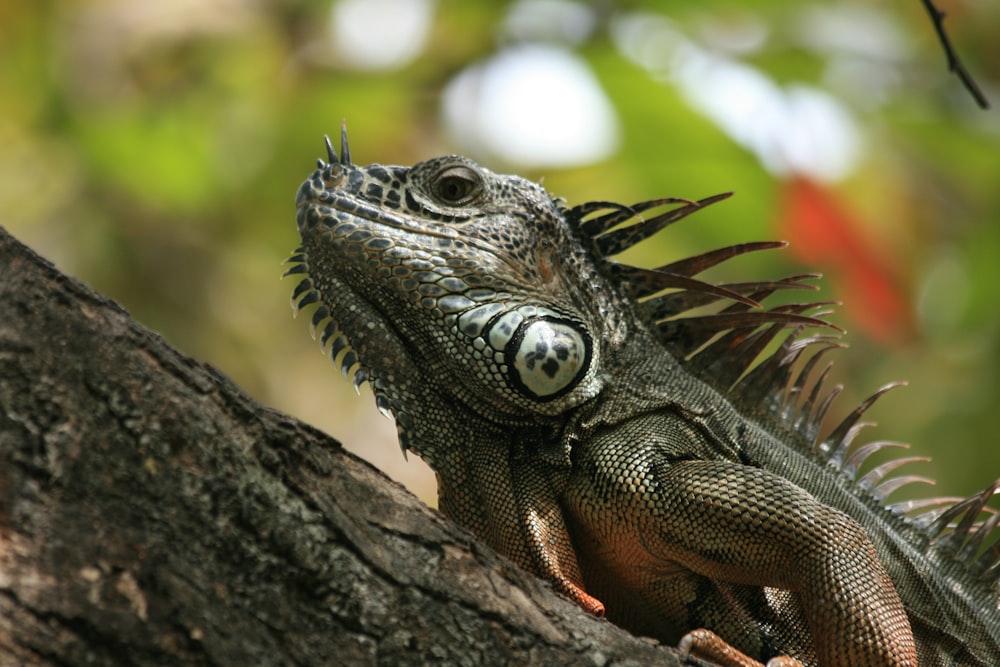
x: 766, y: 384
x: 645, y: 283
x: 924, y: 511
x: 345, y: 150
x: 383, y: 405
x: 613, y: 242
x: 360, y: 376
x: 804, y: 391
x: 852, y: 465
x: 885, y: 488
x: 694, y: 265
x: 875, y: 477
x: 839, y: 435
x: 818, y: 404
x: 619, y: 213
x: 985, y: 529
x: 960, y: 512
x: 319, y: 315
x: 331, y: 154
x: 969, y: 520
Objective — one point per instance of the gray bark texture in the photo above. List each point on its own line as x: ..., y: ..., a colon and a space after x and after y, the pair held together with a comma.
x: 153, y: 514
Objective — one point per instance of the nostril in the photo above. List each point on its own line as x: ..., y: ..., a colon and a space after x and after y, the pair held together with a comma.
x: 333, y: 176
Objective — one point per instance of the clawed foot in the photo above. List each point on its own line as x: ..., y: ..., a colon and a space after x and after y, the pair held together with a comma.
x: 707, y: 645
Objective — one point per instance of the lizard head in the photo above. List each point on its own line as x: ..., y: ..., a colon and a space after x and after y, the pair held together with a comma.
x: 447, y: 270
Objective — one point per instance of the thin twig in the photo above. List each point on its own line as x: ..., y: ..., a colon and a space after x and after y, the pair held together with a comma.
x: 954, y: 64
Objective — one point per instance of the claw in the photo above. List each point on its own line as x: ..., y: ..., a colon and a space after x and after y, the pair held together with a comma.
x: 345, y: 150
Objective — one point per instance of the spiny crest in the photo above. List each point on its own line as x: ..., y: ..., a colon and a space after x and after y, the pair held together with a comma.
x: 721, y: 345
x: 728, y: 348
x: 334, y: 343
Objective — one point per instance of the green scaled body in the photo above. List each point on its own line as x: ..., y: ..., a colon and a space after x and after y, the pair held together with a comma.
x: 648, y: 442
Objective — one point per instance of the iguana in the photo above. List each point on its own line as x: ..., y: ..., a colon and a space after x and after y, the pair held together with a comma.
x: 602, y: 426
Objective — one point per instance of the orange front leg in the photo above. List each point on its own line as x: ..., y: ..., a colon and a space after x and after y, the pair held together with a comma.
x: 550, y: 553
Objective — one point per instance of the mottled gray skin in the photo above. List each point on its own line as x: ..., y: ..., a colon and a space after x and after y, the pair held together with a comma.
x: 583, y: 435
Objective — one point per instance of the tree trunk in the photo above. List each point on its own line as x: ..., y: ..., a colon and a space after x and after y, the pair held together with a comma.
x: 153, y: 514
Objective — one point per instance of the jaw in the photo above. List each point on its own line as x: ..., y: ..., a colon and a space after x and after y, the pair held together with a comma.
x: 358, y: 323
x: 354, y: 333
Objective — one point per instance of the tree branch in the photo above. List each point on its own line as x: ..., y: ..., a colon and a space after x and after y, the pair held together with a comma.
x: 954, y: 64
x: 153, y: 514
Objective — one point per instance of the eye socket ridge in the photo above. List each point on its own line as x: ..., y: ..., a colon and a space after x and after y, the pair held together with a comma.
x: 457, y: 185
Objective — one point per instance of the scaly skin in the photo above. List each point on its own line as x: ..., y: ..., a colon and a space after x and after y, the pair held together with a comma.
x: 591, y: 438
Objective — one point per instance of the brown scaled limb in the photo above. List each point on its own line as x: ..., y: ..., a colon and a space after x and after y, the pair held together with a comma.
x: 707, y: 645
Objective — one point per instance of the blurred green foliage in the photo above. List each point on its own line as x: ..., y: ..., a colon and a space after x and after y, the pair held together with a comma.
x: 153, y: 150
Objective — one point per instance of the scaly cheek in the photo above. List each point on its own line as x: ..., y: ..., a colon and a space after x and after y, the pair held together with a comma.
x: 545, y: 263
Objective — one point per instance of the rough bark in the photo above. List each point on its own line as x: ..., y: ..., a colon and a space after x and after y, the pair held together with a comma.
x: 153, y: 514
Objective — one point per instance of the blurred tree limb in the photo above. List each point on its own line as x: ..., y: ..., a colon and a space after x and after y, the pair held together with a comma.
x: 153, y: 514
x: 954, y: 63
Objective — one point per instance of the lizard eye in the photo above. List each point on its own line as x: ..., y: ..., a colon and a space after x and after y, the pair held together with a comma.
x: 457, y: 186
